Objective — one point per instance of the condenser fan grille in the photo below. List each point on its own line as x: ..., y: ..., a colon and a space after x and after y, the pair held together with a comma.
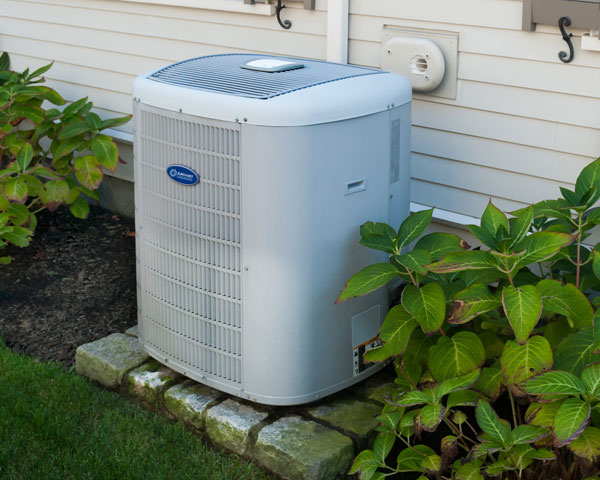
x: 190, y: 245
x: 223, y: 74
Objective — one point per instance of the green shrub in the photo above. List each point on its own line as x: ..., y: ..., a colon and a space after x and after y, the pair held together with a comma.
x: 507, y: 328
x: 48, y: 157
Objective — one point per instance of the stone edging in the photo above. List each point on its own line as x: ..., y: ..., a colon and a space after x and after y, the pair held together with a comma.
x: 312, y: 442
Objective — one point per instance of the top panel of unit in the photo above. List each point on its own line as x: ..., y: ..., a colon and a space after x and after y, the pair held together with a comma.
x: 238, y: 74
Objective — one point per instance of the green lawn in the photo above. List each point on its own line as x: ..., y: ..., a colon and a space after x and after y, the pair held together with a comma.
x: 56, y: 425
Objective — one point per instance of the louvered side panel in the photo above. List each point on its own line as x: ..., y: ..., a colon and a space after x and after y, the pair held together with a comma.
x: 190, y: 243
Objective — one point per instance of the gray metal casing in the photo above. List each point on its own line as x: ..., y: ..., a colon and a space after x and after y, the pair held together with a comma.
x: 238, y: 275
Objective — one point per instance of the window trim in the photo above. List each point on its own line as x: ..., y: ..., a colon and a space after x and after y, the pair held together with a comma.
x: 235, y: 6
x: 584, y: 14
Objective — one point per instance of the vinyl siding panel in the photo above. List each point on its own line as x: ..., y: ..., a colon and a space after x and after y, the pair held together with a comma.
x: 100, y: 46
x: 522, y: 124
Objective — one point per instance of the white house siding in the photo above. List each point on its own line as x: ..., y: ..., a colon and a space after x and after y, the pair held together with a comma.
x: 100, y: 46
x: 522, y: 124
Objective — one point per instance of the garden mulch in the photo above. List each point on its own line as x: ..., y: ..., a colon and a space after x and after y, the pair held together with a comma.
x: 74, y: 284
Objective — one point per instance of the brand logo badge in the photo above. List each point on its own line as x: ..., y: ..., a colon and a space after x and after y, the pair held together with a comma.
x: 182, y: 174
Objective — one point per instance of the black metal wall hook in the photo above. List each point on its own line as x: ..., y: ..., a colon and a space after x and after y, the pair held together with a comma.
x: 564, y: 56
x: 284, y: 23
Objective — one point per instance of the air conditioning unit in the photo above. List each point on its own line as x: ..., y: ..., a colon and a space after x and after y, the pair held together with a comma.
x: 252, y: 176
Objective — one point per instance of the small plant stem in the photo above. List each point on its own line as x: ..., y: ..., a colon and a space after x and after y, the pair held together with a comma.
x: 458, y: 433
x: 579, y: 235
x: 412, y: 279
x: 471, y: 427
x: 512, y: 406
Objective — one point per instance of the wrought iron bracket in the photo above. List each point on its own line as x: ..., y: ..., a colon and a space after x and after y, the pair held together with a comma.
x: 284, y: 23
x: 564, y: 56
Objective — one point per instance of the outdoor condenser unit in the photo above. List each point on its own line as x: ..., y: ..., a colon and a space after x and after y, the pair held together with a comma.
x: 253, y: 175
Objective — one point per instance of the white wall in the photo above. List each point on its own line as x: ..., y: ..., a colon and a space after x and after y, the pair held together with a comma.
x: 523, y: 123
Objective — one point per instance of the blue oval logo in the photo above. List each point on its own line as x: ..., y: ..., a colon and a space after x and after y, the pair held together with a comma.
x: 182, y: 174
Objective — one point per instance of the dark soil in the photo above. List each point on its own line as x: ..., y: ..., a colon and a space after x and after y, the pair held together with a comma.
x: 74, y: 284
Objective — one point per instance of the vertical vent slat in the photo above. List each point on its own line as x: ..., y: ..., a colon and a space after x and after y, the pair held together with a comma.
x: 190, y: 253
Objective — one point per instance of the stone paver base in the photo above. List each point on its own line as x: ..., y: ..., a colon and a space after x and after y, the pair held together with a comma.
x: 316, y: 442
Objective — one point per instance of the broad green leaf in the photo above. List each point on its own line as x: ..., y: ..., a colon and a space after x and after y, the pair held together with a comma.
x: 34, y: 185
x: 542, y: 414
x: 432, y: 464
x: 471, y: 302
x: 469, y: 471
x: 54, y: 193
x: 456, y: 262
x: 75, y: 107
x: 455, y: 384
x: 493, y: 219
x: 519, y: 226
x: 4, y: 61
x: 588, y: 178
x: 389, y: 420
x: 489, y: 383
x: 575, y: 351
x: 19, y: 213
x: 497, y: 429
x: 556, y: 331
x: 519, y: 457
x: 521, y: 362
x: 88, y: 171
x: 413, y: 227
x: 426, y: 304
x: 40, y: 71
x: 18, y: 236
x: 566, y: 300
x: 456, y: 356
x: 483, y: 235
x: 410, y: 459
x: 541, y: 246
x: 67, y: 146
x: 73, y: 129
x: 415, y: 397
x: 395, y: 333
x: 587, y: 445
x: 24, y: 156
x: 528, y: 434
x: 523, y: 308
x: 383, y: 445
x: 5, y: 260
x: 367, y: 280
x: 548, y: 208
x: 431, y: 416
x: 93, y: 120
x: 32, y: 113
x: 4, y: 203
x: 366, y: 463
x: 379, y: 236
x: 570, y: 196
x: 80, y: 208
x: 591, y: 379
x: 439, y: 244
x: 462, y: 398
x: 492, y: 342
x: 555, y: 382
x: 571, y: 418
x: 497, y: 468
x: 115, y: 122
x: 106, y: 151
x: 486, y: 276
x: 16, y: 190
x: 414, y: 260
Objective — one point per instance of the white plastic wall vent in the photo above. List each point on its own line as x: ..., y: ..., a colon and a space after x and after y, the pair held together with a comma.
x: 250, y: 188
